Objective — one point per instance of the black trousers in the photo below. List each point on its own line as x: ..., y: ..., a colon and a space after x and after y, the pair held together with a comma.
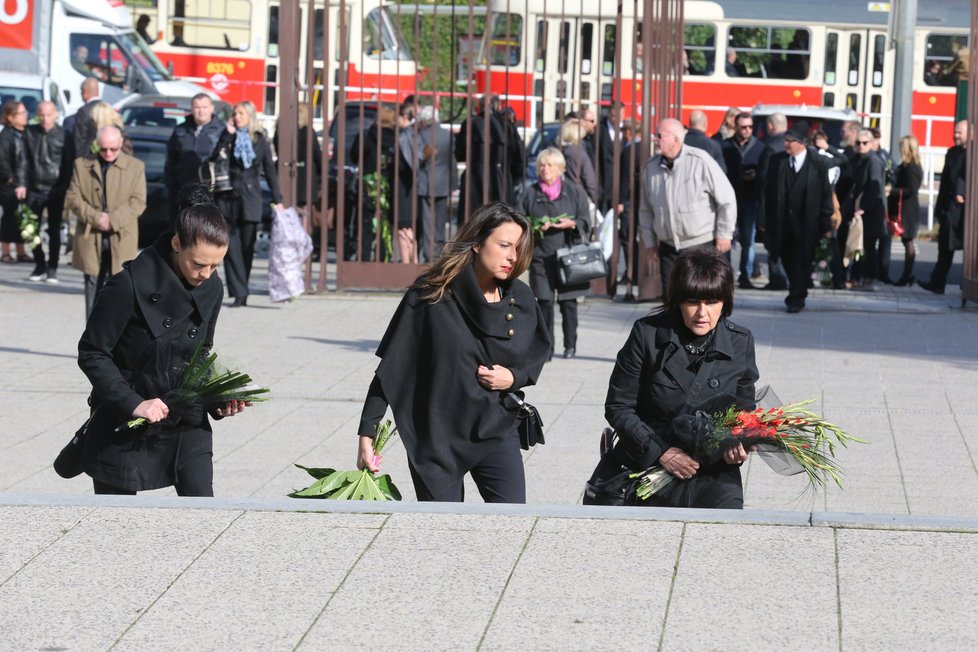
x: 938, y: 278
x: 667, y: 258
x: 433, y: 225
x: 568, y: 316
x: 54, y: 203
x: 9, y: 226
x: 94, y: 283
x: 798, y: 268
x: 499, y: 477
x: 885, y: 254
x: 195, y: 477
x: 241, y: 254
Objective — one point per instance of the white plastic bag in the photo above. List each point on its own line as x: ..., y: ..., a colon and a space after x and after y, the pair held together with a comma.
x: 289, y: 248
x: 606, y: 234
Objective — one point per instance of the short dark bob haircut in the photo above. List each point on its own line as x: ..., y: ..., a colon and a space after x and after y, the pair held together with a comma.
x: 701, y: 275
x: 202, y: 223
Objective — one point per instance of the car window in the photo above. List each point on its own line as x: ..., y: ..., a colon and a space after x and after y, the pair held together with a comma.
x: 153, y: 156
x: 29, y: 97
x: 353, y: 125
x: 153, y: 116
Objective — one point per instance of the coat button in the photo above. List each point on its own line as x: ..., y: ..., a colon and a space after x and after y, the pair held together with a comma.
x: 509, y: 316
x: 512, y: 302
x: 168, y: 322
x: 154, y: 297
x: 511, y: 332
x: 192, y: 332
x: 714, y: 383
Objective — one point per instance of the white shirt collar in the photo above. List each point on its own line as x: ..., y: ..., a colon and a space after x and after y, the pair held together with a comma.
x: 800, y: 159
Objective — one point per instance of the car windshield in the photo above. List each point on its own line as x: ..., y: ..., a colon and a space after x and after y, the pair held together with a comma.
x: 144, y: 57
x: 160, y: 114
x: 153, y: 156
x: 29, y: 97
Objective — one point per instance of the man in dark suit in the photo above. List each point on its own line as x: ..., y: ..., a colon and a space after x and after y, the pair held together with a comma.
x: 696, y: 137
x: 606, y: 134
x: 797, y: 211
x: 746, y: 160
x: 435, y: 174
x: 950, y: 209
x: 470, y: 148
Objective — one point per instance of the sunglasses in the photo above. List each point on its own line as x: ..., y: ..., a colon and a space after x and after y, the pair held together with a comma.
x: 863, y: 142
x: 109, y: 149
x: 745, y: 127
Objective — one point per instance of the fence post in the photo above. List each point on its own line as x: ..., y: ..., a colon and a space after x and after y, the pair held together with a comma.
x: 969, y: 280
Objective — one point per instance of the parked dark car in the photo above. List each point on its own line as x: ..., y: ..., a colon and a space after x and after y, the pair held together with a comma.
x: 163, y: 110
x: 544, y: 137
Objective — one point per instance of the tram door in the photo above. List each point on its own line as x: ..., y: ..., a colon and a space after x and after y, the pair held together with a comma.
x: 859, y: 74
x: 566, y: 65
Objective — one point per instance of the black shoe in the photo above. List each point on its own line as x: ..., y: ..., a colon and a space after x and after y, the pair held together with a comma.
x: 569, y: 353
x: 794, y: 310
x: 238, y: 302
x: 745, y: 284
x: 904, y: 281
x: 930, y: 288
x: 40, y: 273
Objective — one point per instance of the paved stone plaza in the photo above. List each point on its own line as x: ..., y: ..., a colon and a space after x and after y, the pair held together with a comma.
x: 891, y: 562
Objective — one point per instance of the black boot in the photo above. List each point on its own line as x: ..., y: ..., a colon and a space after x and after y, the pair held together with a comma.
x: 907, y: 278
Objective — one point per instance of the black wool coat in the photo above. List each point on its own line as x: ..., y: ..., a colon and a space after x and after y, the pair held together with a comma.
x: 427, y: 373
x: 816, y: 217
x: 950, y: 214
x: 869, y: 195
x: 544, y: 272
x: 143, y: 330
x: 652, y: 383
x: 243, y: 202
x: 186, y: 150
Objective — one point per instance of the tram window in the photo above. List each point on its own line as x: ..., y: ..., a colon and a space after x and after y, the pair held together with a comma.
x: 831, y: 56
x: 271, y: 76
x: 563, y: 48
x: 273, y: 31
x: 608, y: 56
x: 855, y: 43
x: 606, y: 91
x: 944, y: 61
x: 700, y: 46
x: 587, y: 45
x: 851, y: 101
x: 539, y: 88
x: 224, y: 24
x: 505, y: 40
x: 879, y: 53
x: 317, y: 40
x: 585, y: 90
x: 875, y: 108
x: 772, y: 52
x: 381, y: 40
x: 540, y: 56
x: 828, y: 99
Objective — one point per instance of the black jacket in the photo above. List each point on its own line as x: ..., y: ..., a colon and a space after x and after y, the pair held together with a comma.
x: 868, y: 194
x: 187, y: 150
x: 427, y: 373
x: 697, y: 138
x: 544, y: 273
x: 779, y: 219
x: 473, y: 129
x: 143, y: 330
x: 652, y: 382
x: 44, y: 152
x: 754, y: 156
x: 244, y: 181
x: 13, y: 158
x: 605, y: 165
x: 950, y: 214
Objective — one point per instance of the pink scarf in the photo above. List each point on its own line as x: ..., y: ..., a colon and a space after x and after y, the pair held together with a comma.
x: 552, y: 191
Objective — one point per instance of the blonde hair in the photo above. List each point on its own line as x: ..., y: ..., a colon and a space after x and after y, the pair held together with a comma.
x: 909, y: 150
x: 571, y: 132
x: 555, y: 156
x: 386, y: 117
x: 105, y: 116
x: 254, y: 127
x: 459, y: 252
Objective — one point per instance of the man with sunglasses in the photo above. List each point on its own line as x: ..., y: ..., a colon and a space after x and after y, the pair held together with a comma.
x: 746, y: 158
x: 108, y: 194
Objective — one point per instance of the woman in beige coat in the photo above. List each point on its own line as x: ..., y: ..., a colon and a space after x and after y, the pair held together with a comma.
x: 107, y: 232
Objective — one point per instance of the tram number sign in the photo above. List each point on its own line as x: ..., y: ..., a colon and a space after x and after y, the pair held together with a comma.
x: 17, y: 24
x: 878, y: 6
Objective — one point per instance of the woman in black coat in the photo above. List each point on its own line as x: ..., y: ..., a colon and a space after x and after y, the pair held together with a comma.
x: 244, y: 145
x: 905, y: 203
x: 466, y: 334
x: 13, y: 178
x: 550, y: 197
x: 144, y: 328
x: 676, y: 359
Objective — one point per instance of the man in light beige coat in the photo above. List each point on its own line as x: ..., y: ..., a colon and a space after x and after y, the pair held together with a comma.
x: 108, y: 194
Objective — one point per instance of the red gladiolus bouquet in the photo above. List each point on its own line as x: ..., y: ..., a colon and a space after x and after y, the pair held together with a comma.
x: 790, y: 438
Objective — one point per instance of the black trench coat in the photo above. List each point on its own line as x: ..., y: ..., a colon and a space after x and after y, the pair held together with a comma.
x: 143, y: 330
x: 544, y: 272
x: 652, y: 383
x: 816, y: 217
x: 429, y: 356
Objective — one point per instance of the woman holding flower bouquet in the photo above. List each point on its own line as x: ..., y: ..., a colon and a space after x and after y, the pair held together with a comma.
x: 675, y: 359
x: 147, y: 322
x: 467, y: 333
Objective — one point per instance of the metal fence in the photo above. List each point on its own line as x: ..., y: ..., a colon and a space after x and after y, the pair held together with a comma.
x: 374, y: 192
x: 969, y: 282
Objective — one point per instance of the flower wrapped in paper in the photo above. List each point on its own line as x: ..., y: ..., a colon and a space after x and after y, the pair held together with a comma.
x: 790, y: 438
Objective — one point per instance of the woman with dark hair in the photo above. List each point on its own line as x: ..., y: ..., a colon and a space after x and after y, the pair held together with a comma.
x: 675, y: 359
x: 244, y: 144
x: 13, y: 178
x: 147, y: 322
x: 466, y: 334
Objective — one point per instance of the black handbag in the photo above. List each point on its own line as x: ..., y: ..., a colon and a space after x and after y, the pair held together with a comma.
x: 581, y: 263
x: 216, y: 173
x: 530, y: 424
x: 611, y: 483
x: 68, y: 463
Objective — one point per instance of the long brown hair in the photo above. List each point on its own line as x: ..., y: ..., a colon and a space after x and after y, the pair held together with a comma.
x: 458, y: 252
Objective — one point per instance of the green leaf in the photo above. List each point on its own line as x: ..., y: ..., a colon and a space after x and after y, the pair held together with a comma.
x: 344, y: 492
x: 317, y: 473
x: 387, y: 488
x: 315, y: 490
